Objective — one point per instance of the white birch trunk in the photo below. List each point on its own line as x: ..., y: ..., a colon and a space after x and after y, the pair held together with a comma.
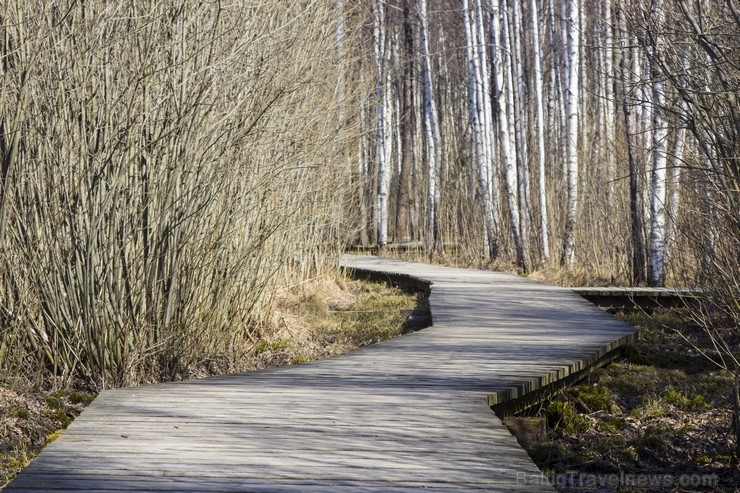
x: 571, y: 152
x: 609, y: 97
x: 674, y: 181
x: 489, y: 134
x: 643, y: 116
x: 656, y: 244
x: 480, y: 119
x: 502, y: 92
x: 674, y: 172
x: 559, y: 70
x: 364, y: 156
x: 626, y: 82
x: 383, y: 141
x: 540, y: 130
x: 519, y: 114
x: 486, y: 107
x: 431, y: 134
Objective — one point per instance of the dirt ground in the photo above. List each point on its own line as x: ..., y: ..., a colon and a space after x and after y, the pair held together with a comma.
x: 659, y: 420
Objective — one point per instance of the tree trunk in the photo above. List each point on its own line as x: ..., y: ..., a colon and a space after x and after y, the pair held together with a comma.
x: 674, y: 181
x: 519, y: 115
x: 609, y: 98
x: 481, y: 130
x: 485, y: 108
x: 637, y: 243
x: 656, y: 246
x: 571, y: 152
x: 381, y: 113
x: 432, y: 136
x: 504, y: 105
x: 407, y: 122
x: 540, y: 130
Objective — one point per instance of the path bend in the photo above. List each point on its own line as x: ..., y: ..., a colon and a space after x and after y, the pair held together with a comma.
x: 407, y: 414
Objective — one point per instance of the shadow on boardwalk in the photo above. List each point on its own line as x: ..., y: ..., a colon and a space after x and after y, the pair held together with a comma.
x: 406, y: 414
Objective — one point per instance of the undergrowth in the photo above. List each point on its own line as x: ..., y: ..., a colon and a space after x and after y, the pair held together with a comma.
x: 663, y: 410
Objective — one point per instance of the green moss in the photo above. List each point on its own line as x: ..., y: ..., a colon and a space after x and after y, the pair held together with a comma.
x: 611, y: 423
x: 261, y: 347
x: 707, y: 459
x: 299, y: 359
x: 652, y: 407
x: 596, y: 398
x: 563, y: 415
x: 641, y: 368
x: 60, y: 416
x: 55, y: 400
x: 703, y: 460
x: 548, y: 454
x: 81, y: 397
x: 54, y: 435
x: 11, y: 463
x: 685, y: 403
x: 273, y: 346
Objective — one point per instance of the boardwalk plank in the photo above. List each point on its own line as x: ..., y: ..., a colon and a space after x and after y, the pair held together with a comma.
x: 407, y: 414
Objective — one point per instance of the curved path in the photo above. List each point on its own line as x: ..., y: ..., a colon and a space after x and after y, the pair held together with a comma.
x: 406, y: 414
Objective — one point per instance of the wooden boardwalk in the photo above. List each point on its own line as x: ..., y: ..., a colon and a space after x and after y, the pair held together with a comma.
x: 403, y: 415
x: 618, y: 298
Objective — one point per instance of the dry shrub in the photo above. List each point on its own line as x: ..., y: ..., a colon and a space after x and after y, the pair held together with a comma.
x: 166, y: 166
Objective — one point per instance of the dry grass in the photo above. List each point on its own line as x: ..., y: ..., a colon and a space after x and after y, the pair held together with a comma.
x: 329, y: 316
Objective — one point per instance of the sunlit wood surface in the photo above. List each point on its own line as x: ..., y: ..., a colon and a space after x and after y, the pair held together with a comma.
x: 403, y: 415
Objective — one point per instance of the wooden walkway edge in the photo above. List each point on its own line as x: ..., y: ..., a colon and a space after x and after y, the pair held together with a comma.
x: 403, y: 415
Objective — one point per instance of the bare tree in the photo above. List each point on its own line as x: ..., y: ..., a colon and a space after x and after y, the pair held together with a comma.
x: 432, y: 136
x: 540, y: 130
x: 571, y: 152
x: 502, y: 77
x: 481, y: 120
x: 382, y: 110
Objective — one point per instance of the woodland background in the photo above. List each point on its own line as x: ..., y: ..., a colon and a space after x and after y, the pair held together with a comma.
x: 169, y: 167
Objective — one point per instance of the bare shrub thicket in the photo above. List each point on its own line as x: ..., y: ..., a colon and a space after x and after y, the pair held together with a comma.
x: 699, y: 63
x: 165, y: 165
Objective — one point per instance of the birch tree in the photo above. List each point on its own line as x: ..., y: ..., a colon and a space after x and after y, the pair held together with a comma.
x: 540, y: 130
x: 607, y: 83
x: 656, y: 246
x: 383, y: 135
x: 519, y: 115
x: 501, y: 59
x: 432, y: 137
x: 572, y: 64
x: 481, y: 119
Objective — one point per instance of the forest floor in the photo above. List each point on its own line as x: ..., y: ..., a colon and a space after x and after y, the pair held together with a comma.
x: 658, y: 420
x: 320, y: 319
